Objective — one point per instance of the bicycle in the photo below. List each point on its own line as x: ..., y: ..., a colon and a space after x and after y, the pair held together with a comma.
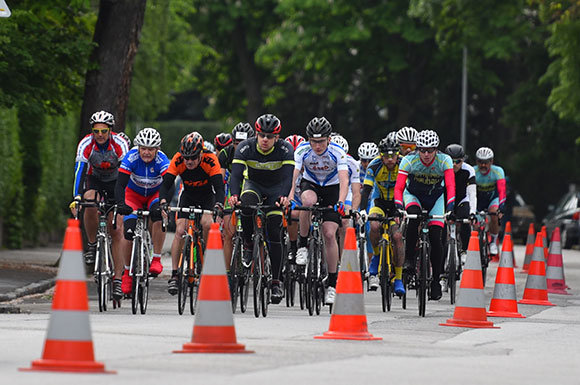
x: 484, y: 241
x: 359, y: 225
x: 420, y: 279
x: 313, y: 288
x: 386, y: 267
x: 289, y: 273
x: 190, y: 261
x: 140, y: 261
x: 452, y: 264
x: 239, y: 278
x: 104, y: 267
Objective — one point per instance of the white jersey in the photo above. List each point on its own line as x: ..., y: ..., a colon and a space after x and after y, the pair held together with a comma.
x: 353, y: 176
x: 320, y: 169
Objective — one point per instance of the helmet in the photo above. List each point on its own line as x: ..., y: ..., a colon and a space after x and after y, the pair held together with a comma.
x: 222, y: 140
x: 318, y: 128
x: 208, y: 146
x: 148, y: 137
x: 389, y: 143
x: 406, y: 135
x: 427, y: 138
x: 341, y: 141
x: 484, y: 153
x: 242, y: 131
x: 191, y: 144
x: 368, y: 151
x: 455, y: 151
x: 268, y: 124
x: 125, y: 136
x: 295, y: 140
x: 102, y: 117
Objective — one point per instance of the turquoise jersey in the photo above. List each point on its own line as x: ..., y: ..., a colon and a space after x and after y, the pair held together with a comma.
x: 487, y: 185
x: 424, y: 180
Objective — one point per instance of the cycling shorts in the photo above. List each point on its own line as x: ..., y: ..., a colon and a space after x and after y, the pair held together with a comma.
x: 327, y: 196
x: 435, y: 205
x: 108, y: 188
x: 204, y: 201
x: 137, y: 201
x: 485, y: 204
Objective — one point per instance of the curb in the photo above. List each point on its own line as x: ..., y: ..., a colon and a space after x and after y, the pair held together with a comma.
x: 33, y: 288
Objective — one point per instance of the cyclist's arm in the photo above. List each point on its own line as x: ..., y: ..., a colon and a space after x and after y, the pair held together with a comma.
x: 287, y: 179
x: 80, y: 176
x: 472, y: 196
x: 238, y: 167
x: 449, y: 175
x: 364, y: 200
x: 295, y: 175
x: 166, y: 186
x: 217, y: 181
x: 400, y: 187
x: 501, y: 191
x: 122, y: 181
x: 343, y: 183
x: 356, y: 196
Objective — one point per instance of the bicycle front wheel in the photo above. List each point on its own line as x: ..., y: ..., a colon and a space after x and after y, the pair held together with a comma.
x: 423, y: 267
x: 452, y: 270
x: 257, y: 276
x: 144, y: 295
x: 196, y: 278
x: 182, y: 277
x: 235, y: 272
x: 135, y: 263
x: 266, y: 288
x: 99, y: 275
x: 384, y: 277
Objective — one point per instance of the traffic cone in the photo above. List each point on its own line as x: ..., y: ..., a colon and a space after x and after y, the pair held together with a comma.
x: 555, y: 271
x: 529, y: 248
x: 508, y: 231
x: 545, y: 243
x: 504, y: 301
x: 213, y: 329
x: 348, y: 320
x: 470, y: 306
x: 536, y: 292
x: 69, y: 346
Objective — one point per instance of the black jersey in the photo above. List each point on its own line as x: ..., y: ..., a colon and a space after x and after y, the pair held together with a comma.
x: 226, y: 157
x: 463, y: 178
x: 273, y: 168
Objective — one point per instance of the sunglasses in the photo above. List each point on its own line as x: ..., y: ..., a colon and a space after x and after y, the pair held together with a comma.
x: 457, y: 161
x: 268, y: 136
x: 408, y: 146
x: 390, y: 154
x: 318, y: 141
x: 191, y: 157
x: 430, y: 150
x: 97, y: 131
x: 483, y: 162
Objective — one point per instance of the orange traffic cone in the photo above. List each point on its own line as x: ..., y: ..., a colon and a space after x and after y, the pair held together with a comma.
x: 508, y: 231
x: 348, y: 320
x: 470, y: 307
x: 504, y: 301
x: 213, y: 330
x: 545, y: 243
x: 555, y: 271
x: 536, y: 292
x: 529, y: 248
x: 69, y: 345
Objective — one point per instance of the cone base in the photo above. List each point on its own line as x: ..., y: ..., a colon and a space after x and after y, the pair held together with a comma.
x: 67, y: 366
x: 213, y: 348
x: 506, y: 314
x: 536, y: 302
x: 469, y: 324
x: 558, y: 291
x: 362, y: 336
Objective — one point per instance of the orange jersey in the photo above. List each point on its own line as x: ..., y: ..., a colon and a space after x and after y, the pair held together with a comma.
x: 199, y: 176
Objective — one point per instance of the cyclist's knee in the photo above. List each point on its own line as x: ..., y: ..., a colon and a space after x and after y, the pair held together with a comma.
x: 397, y: 238
x: 129, y: 228
x: 308, y: 198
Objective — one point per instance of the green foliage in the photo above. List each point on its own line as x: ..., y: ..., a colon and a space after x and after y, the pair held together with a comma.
x: 11, y: 183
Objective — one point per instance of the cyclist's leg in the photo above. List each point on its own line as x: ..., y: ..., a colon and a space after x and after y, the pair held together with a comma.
x: 157, y: 234
x: 435, y: 228
x: 91, y: 216
x: 464, y: 229
x: 493, y: 221
x: 250, y: 195
x: 374, y: 237
x: 308, y: 197
x: 177, y: 244
x: 332, y: 220
x: 228, y: 234
x: 412, y: 206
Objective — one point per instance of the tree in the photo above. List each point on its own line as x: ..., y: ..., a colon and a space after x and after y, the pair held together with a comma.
x: 116, y: 39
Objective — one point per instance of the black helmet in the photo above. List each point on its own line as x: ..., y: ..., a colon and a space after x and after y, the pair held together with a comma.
x: 191, y: 145
x: 268, y: 124
x: 222, y: 140
x: 455, y: 151
x: 389, y: 143
x: 318, y: 128
x: 242, y: 131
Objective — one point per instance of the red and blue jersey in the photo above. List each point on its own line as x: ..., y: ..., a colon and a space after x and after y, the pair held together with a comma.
x: 145, y: 178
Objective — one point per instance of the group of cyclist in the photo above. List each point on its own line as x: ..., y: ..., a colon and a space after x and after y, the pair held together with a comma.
x: 405, y: 172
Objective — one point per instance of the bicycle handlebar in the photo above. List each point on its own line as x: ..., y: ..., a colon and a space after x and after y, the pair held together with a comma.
x: 194, y: 210
x: 317, y: 208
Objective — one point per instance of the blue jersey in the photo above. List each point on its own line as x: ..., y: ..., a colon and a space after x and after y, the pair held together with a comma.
x: 490, y: 185
x: 425, y: 179
x: 145, y: 178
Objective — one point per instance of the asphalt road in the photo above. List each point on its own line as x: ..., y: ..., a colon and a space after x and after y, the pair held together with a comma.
x: 542, y: 348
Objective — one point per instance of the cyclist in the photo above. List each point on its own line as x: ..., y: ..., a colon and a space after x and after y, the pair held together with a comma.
x: 354, y: 185
x: 126, y: 137
x: 222, y: 140
x: 203, y: 186
x: 140, y: 177
x: 367, y: 151
x: 380, y: 179
x: 428, y: 172
x: 269, y: 162
x: 99, y: 155
x: 325, y: 179
x: 240, y: 132
x: 491, y: 189
x: 465, y: 192
x: 406, y: 138
x: 295, y: 140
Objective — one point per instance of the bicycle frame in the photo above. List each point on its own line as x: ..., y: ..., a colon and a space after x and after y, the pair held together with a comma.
x: 140, y: 260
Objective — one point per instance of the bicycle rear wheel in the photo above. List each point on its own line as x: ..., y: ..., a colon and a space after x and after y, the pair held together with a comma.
x: 362, y: 260
x: 235, y: 273
x: 244, y: 289
x: 423, y: 266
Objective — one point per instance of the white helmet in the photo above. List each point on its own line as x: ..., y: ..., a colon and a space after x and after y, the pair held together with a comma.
x: 368, y: 151
x: 126, y: 137
x: 406, y: 135
x: 208, y: 146
x: 102, y: 117
x: 484, y: 153
x: 148, y: 137
x: 341, y: 141
x: 427, y: 138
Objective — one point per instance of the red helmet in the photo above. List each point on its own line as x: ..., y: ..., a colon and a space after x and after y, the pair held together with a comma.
x: 222, y: 140
x: 295, y: 140
x: 268, y: 124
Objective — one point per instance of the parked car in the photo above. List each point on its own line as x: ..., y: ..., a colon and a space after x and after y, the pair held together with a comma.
x: 561, y: 215
x: 520, y: 215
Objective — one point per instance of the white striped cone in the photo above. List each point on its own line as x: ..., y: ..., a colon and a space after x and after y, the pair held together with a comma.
x: 536, y: 292
x: 555, y: 271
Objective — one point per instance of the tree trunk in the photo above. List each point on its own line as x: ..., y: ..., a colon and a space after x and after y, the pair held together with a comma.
x: 117, y: 38
x: 250, y: 73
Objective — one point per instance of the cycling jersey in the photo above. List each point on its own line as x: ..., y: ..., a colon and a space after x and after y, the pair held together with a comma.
x: 144, y: 178
x: 381, y: 179
x: 353, y: 176
x: 465, y: 187
x: 490, y: 186
x: 272, y: 168
x: 101, y: 162
x: 205, y: 179
x: 226, y: 157
x: 321, y: 169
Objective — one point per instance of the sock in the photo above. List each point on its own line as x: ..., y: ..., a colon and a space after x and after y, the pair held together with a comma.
x: 302, y: 241
x: 156, y: 255
x: 398, y: 272
x: 294, y: 246
x: 374, y: 266
x: 126, y: 268
x: 173, y: 273
x: 332, y: 277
